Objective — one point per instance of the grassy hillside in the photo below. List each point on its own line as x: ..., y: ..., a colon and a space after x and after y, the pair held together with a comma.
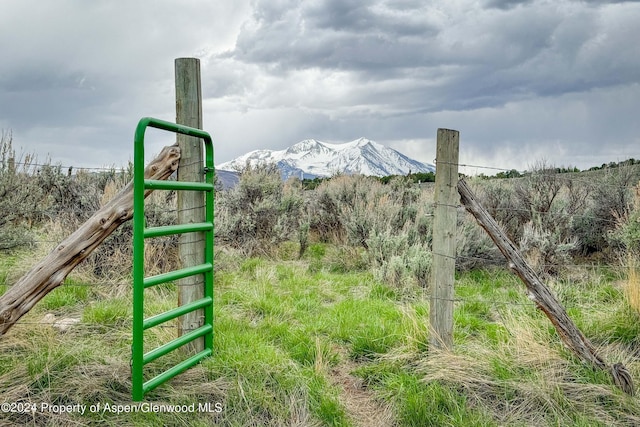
x: 319, y: 341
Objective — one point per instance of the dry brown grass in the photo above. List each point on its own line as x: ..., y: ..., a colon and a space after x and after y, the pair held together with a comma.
x: 632, y: 287
x: 361, y: 404
x: 531, y: 380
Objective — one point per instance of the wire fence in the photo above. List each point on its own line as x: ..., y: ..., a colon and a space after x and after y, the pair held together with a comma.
x: 619, y: 269
x: 627, y: 183
x: 71, y: 168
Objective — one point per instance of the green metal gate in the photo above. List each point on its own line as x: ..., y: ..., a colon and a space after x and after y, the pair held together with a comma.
x: 140, y: 283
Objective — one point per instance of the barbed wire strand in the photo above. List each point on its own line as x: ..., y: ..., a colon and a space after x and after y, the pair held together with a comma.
x: 552, y: 173
x: 426, y: 297
x: 119, y: 169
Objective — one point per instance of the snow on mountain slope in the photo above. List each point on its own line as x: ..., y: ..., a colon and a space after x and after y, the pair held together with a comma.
x: 311, y: 158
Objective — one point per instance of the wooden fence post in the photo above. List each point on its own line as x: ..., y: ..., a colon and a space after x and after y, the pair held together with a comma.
x: 444, y: 239
x: 191, y: 209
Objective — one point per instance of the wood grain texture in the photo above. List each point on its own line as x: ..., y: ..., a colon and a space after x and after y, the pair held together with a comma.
x: 51, y: 271
x: 540, y: 294
x: 444, y: 239
x: 191, y: 209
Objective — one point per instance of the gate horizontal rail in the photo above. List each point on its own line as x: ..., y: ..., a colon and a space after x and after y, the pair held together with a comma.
x: 176, y: 275
x: 176, y: 370
x: 168, y: 230
x: 176, y: 312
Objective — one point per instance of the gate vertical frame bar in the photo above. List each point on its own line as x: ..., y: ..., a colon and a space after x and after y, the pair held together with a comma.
x: 137, y: 335
x: 209, y: 178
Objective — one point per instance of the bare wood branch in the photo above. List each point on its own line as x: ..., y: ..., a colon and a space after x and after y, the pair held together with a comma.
x: 541, y: 294
x: 51, y: 271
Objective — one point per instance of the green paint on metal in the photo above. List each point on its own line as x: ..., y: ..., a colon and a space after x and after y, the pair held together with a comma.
x: 176, y: 275
x: 176, y: 343
x: 176, y: 312
x: 155, y: 184
x: 172, y: 372
x: 176, y: 229
x: 140, y: 231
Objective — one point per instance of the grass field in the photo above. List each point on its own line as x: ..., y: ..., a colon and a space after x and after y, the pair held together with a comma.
x: 318, y: 341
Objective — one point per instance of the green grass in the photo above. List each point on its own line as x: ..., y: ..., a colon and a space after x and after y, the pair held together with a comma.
x: 66, y: 296
x: 420, y: 403
x: 108, y: 312
x: 291, y: 335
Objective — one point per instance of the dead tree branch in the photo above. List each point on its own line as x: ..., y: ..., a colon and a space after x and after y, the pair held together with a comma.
x: 51, y: 271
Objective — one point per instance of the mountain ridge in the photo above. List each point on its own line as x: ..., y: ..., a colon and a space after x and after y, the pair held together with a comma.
x: 310, y: 158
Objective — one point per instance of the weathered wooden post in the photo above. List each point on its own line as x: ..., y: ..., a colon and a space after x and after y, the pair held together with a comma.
x: 191, y: 246
x: 444, y: 239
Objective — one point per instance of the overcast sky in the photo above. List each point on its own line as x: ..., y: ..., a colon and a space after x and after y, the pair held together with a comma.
x: 523, y: 81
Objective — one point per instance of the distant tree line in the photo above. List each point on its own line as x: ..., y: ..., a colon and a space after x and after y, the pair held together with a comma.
x: 611, y: 165
x: 513, y: 173
x: 416, y: 178
x: 421, y: 177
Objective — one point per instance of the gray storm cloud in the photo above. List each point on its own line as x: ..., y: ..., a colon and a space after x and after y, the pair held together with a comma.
x: 517, y: 78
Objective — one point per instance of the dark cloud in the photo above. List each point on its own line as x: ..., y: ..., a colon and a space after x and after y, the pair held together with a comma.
x: 336, y: 35
x: 490, y: 58
x: 507, y: 4
x: 517, y: 78
x: 76, y: 76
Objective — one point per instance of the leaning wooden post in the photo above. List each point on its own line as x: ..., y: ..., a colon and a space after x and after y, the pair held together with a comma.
x: 444, y: 239
x: 50, y: 272
x: 191, y: 246
x: 541, y: 295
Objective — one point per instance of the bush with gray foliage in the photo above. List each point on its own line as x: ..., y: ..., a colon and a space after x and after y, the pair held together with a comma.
x: 260, y: 212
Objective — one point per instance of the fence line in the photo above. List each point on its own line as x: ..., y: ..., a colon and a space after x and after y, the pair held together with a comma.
x: 80, y: 168
x: 550, y: 166
x: 425, y: 296
x: 611, y: 221
x: 501, y: 260
x: 555, y: 175
x: 562, y: 176
x: 119, y: 169
x: 435, y: 161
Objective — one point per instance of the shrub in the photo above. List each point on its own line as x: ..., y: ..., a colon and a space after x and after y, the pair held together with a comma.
x: 499, y: 199
x: 626, y: 236
x: 541, y: 213
x: 474, y: 247
x: 324, y: 217
x: 396, y: 261
x: 613, y: 214
x: 20, y: 198
x: 545, y: 250
x: 346, y: 201
x: 260, y: 211
x: 390, y: 222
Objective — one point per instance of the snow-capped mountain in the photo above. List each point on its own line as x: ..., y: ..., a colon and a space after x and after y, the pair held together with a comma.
x: 311, y: 158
